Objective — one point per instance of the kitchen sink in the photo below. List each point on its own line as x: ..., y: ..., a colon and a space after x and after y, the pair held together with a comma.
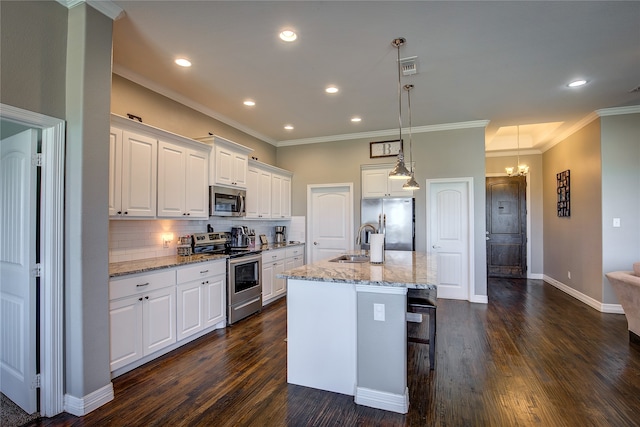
x: 351, y: 258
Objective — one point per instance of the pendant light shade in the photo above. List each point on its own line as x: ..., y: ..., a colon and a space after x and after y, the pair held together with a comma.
x: 400, y: 171
x: 411, y: 184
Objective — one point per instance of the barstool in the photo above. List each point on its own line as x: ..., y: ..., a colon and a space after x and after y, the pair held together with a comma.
x: 423, y: 301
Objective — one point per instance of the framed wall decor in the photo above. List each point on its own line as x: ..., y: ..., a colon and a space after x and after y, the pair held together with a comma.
x: 564, y: 199
x: 384, y: 148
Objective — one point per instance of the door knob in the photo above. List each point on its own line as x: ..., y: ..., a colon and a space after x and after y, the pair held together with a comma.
x: 315, y: 243
x: 488, y: 238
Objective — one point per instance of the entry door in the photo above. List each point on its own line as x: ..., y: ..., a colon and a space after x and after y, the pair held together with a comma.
x: 506, y: 227
x: 448, y: 237
x: 17, y: 258
x: 330, y: 220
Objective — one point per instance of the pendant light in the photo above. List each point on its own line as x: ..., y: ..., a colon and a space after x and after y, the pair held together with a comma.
x: 400, y: 171
x: 520, y: 169
x: 412, y: 184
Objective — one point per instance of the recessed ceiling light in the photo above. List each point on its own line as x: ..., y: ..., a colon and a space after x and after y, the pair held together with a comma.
x: 288, y: 127
x: 331, y: 89
x: 356, y: 119
x: 183, y: 62
x: 577, y: 83
x: 249, y: 103
x: 288, y: 35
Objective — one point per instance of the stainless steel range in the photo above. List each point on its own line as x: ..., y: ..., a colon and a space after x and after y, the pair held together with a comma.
x: 244, y: 273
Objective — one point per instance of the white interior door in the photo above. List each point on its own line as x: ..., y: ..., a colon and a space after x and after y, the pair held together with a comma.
x: 17, y: 259
x: 448, y: 235
x: 330, y: 220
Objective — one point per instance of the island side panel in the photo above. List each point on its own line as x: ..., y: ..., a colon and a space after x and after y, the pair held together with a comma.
x: 321, y: 335
x: 382, y: 348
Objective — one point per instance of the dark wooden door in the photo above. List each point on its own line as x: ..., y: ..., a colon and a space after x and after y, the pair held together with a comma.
x: 506, y: 227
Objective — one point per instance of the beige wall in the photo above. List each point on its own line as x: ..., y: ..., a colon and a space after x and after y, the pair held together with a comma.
x: 620, y: 195
x: 496, y: 165
x: 33, y: 49
x: 157, y: 110
x: 574, y: 244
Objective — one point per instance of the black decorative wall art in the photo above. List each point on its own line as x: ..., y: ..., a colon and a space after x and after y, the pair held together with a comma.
x: 564, y: 201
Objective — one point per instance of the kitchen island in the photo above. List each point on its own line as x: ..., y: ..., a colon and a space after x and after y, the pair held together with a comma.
x: 346, y: 326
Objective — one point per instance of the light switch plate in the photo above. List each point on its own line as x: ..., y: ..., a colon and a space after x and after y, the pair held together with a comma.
x: 378, y: 312
x: 616, y: 222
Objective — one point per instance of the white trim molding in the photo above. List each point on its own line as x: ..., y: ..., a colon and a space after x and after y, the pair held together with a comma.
x: 591, y: 302
x: 106, y: 7
x: 384, y: 133
x: 617, y: 111
x: 52, y: 254
x: 383, y: 400
x: 80, y: 406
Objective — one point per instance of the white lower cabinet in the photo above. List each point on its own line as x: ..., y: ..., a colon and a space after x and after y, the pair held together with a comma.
x: 201, y: 297
x: 142, y: 316
x: 155, y: 311
x: 275, y: 262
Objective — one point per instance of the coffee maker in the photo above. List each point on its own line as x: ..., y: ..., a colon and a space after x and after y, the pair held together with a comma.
x: 239, y: 237
x: 281, y: 234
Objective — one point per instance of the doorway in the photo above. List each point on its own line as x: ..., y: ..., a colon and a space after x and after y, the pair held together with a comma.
x: 450, y: 235
x: 506, y: 226
x: 329, y: 220
x: 50, y: 252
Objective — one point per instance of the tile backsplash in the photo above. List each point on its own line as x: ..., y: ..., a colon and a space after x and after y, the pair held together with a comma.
x: 139, y: 239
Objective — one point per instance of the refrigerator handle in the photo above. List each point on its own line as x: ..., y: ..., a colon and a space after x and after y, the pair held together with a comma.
x: 379, y: 223
x: 384, y: 224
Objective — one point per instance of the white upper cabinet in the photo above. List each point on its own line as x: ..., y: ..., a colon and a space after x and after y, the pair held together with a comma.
x: 376, y: 182
x: 155, y: 173
x: 132, y: 174
x: 229, y: 163
x: 182, y: 181
x: 268, y: 191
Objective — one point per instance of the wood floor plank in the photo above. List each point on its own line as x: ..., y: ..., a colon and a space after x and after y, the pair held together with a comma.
x: 532, y: 356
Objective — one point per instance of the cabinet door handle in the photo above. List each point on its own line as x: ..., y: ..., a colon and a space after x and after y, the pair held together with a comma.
x: 140, y: 299
x: 205, y: 271
x: 146, y: 297
x: 142, y: 285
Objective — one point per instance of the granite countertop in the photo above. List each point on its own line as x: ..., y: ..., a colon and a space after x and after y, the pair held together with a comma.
x: 149, y: 264
x: 400, y: 269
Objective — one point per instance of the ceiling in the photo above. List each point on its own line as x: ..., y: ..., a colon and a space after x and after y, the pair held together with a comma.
x: 508, y: 63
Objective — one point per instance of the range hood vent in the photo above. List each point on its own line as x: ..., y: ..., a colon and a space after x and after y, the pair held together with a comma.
x: 409, y: 65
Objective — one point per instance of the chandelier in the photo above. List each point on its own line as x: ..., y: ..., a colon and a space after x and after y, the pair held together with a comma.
x: 520, y: 169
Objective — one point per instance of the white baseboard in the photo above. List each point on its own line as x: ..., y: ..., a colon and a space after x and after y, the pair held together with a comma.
x: 383, y: 400
x: 479, y: 299
x: 591, y: 302
x: 535, y: 276
x: 80, y: 406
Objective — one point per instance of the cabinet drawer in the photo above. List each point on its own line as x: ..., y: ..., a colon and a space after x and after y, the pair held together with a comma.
x: 273, y: 255
x: 135, y: 284
x: 295, y: 251
x: 200, y: 270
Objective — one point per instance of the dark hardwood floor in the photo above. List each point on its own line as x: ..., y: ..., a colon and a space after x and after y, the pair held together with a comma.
x: 532, y: 356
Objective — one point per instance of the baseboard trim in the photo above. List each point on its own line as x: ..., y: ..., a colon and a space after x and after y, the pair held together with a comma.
x: 383, y: 400
x: 80, y: 406
x: 536, y: 276
x: 479, y: 299
x: 593, y: 303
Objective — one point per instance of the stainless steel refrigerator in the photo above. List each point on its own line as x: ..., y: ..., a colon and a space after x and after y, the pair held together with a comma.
x: 395, y: 217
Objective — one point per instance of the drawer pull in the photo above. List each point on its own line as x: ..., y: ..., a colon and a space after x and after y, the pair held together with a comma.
x: 205, y: 271
x: 142, y: 285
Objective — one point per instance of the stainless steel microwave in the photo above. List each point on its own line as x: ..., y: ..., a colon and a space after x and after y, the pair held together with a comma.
x: 225, y: 201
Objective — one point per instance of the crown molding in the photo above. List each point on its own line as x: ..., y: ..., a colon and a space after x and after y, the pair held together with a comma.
x: 143, y: 81
x: 616, y: 111
x: 384, y: 133
x: 106, y: 7
x: 510, y: 153
x: 570, y: 131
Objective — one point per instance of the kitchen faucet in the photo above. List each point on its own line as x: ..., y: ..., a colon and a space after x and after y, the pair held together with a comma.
x: 361, y: 229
